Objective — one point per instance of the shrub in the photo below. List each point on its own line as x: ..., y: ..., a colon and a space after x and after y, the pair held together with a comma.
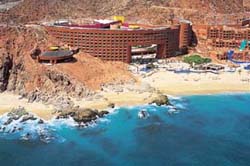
x: 196, y: 59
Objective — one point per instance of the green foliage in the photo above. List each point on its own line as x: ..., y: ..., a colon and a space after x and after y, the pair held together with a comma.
x: 196, y: 59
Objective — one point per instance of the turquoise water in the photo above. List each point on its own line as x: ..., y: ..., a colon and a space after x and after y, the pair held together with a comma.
x: 209, y: 130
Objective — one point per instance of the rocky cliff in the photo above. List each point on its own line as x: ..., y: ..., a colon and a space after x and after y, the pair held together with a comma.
x: 20, y: 74
x: 5, y: 68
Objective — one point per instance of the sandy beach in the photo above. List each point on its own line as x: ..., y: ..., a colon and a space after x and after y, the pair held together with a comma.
x: 193, y: 83
x: 163, y: 81
x: 119, y: 99
x: 9, y: 101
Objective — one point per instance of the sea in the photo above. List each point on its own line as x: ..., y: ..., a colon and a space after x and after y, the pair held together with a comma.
x: 199, y: 130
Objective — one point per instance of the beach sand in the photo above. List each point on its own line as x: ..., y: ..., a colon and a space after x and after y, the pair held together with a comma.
x: 205, y: 83
x: 119, y: 99
x: 163, y: 81
x: 9, y: 101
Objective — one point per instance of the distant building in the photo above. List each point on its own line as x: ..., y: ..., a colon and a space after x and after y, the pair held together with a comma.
x: 221, y: 38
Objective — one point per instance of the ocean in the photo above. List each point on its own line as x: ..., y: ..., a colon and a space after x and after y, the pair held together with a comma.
x: 206, y: 130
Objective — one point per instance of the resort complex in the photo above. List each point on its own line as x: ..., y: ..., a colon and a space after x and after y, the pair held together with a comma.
x: 116, y: 40
x: 124, y: 83
x: 227, y: 42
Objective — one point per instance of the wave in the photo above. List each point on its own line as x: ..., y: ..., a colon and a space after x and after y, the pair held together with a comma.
x: 70, y: 122
x: 49, y: 131
x: 180, y: 106
x: 103, y: 120
x: 174, y: 97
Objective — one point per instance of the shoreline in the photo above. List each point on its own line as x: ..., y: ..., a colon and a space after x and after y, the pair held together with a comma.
x: 206, y: 92
x: 8, y: 101
x: 162, y: 82
x: 47, y: 112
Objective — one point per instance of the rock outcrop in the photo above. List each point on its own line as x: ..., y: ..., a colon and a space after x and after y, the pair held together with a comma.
x: 82, y: 115
x: 19, y: 114
x: 22, y: 75
x: 5, y: 68
x: 161, y: 100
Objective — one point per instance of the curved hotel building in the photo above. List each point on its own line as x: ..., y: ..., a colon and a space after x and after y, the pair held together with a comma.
x: 116, y: 41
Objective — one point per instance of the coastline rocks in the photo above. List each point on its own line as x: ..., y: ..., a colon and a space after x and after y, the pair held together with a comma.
x: 19, y: 113
x: 103, y: 113
x: 9, y: 121
x: 161, y: 100
x: 85, y: 115
x: 28, y: 117
x: 82, y: 115
x: 111, y: 105
x: 40, y: 121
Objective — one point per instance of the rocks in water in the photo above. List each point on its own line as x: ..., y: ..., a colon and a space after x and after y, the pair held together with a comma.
x: 102, y: 113
x: 17, y: 113
x: 161, y: 100
x: 28, y: 117
x: 9, y: 121
x: 3, y: 129
x: 26, y: 137
x: 40, y: 121
x: 85, y: 115
x: 82, y: 115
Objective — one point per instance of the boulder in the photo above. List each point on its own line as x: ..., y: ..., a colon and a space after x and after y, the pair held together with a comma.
x: 35, y: 53
x: 40, y: 121
x: 85, y: 115
x: 28, y: 117
x: 17, y: 113
x: 33, y: 96
x: 111, y: 105
x: 102, y: 113
x: 161, y: 100
x: 81, y: 115
x: 9, y: 121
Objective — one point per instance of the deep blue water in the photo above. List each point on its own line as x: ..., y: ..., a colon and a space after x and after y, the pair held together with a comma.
x: 211, y: 130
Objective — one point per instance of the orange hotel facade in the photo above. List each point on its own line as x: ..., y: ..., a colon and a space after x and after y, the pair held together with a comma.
x: 116, y: 44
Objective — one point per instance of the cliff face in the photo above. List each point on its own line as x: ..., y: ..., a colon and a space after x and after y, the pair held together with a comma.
x: 135, y: 10
x: 5, y: 67
x: 246, y: 4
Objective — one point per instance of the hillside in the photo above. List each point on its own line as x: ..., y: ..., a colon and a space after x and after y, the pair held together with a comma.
x: 134, y: 10
x: 21, y: 74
